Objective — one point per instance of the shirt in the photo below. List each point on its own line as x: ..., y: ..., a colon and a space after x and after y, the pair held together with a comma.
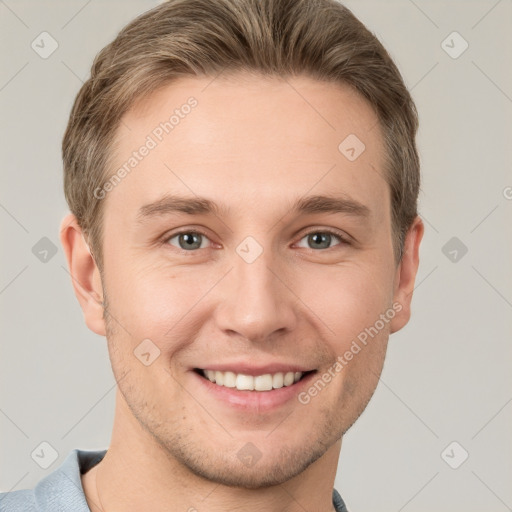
x: 62, y: 491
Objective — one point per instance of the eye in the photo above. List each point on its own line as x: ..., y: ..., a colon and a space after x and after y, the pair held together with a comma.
x: 322, y: 239
x: 192, y: 240
x: 188, y: 240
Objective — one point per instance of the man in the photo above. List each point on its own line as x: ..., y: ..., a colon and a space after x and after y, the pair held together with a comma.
x: 242, y: 177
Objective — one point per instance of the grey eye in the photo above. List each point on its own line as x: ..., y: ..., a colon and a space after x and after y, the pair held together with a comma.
x: 320, y: 240
x: 188, y: 240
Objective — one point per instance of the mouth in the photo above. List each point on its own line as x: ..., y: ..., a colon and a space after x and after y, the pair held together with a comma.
x: 252, y: 388
x: 257, y: 383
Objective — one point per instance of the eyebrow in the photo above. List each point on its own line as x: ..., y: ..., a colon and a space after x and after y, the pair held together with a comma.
x: 172, y: 204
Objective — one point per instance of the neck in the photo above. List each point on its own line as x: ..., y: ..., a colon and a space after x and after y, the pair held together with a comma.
x: 137, y: 473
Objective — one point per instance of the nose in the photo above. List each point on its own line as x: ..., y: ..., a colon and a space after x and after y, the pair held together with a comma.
x: 257, y: 302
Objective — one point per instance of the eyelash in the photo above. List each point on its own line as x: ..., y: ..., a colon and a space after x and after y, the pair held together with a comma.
x: 343, y: 239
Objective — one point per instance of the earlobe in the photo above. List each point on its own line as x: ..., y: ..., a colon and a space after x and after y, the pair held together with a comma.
x: 406, y: 274
x: 85, y: 276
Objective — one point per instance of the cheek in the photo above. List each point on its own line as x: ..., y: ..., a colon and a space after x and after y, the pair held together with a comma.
x: 346, y: 300
x: 169, y: 304
x: 147, y: 294
x: 160, y: 303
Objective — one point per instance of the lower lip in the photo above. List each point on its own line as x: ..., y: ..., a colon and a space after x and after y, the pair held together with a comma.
x: 254, y: 401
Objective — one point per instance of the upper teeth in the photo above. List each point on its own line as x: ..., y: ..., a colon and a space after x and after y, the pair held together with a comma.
x: 248, y: 382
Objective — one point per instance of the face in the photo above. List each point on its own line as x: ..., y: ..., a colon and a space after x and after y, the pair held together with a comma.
x: 246, y: 241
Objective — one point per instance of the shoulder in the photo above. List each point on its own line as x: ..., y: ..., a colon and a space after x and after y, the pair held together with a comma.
x: 18, y: 501
x: 337, y: 501
x: 60, y: 491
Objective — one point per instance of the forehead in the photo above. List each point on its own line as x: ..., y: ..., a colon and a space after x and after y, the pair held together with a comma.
x: 241, y: 139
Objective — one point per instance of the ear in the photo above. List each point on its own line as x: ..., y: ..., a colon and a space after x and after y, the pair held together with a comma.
x: 85, y: 275
x: 406, y: 274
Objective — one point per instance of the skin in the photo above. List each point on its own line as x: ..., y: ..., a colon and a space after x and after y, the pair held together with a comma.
x: 172, y: 442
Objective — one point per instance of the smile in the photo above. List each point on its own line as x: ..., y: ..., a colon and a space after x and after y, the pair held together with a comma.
x: 242, y: 382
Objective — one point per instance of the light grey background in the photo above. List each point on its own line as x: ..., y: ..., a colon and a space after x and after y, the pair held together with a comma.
x: 447, y: 376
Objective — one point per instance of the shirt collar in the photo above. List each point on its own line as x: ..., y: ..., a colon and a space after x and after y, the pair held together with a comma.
x: 62, y: 489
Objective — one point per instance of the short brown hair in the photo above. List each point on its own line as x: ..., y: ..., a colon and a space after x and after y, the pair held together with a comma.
x: 318, y: 38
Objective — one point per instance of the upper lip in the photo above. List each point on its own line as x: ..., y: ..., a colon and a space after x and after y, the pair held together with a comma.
x: 251, y: 369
